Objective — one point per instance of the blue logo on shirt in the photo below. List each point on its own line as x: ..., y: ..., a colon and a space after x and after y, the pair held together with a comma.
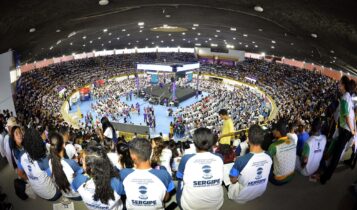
x: 143, y: 191
x: 206, y: 172
x: 259, y: 173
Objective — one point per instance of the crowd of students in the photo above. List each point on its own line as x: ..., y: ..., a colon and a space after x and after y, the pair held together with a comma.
x: 106, y: 171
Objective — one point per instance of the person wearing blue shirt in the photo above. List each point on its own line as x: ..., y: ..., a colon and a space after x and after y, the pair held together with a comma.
x: 303, y: 136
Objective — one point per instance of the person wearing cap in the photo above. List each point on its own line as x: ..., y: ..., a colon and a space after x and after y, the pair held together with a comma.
x: 11, y: 122
x: 227, y: 129
x: 283, y: 153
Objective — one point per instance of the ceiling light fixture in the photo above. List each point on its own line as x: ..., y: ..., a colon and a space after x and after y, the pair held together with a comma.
x: 258, y: 8
x: 103, y: 2
x: 32, y: 30
x: 141, y: 23
x: 105, y: 30
x: 233, y: 29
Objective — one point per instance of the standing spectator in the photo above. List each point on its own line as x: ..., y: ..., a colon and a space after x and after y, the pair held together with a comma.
x: 250, y: 173
x: 302, y: 138
x: 346, y: 128
x: 283, y: 153
x: 71, y: 151
x: 34, y: 163
x: 161, y: 155
x: 313, y: 151
x: 227, y: 129
x: 17, y: 149
x: 100, y: 186
x: 200, y: 175
x: 108, y: 129
x: 145, y: 187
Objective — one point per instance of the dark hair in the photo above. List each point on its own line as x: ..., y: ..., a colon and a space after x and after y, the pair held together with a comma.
x: 125, y: 160
x: 255, y: 135
x: 33, y: 144
x: 155, y: 159
x: 346, y: 82
x: 223, y: 112
x: 316, y: 125
x: 203, y: 139
x: 141, y: 147
x: 64, y: 130
x: 56, y: 141
x: 106, y: 124
x: 352, y: 86
x: 281, y: 127
x: 99, y: 167
x: 12, y: 142
x: 225, y: 149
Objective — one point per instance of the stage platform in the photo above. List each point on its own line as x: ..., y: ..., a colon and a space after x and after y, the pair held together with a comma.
x: 182, y: 93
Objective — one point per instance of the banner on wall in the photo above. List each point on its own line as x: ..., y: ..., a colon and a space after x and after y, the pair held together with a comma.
x: 189, y: 76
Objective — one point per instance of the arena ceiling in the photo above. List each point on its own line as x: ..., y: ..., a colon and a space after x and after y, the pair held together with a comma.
x: 319, y: 31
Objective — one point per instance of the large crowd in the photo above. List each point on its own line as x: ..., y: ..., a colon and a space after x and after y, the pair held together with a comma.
x: 315, y: 125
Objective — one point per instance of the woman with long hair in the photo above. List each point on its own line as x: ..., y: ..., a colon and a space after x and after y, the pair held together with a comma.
x: 108, y: 130
x: 100, y: 186
x: 62, y: 170
x: 34, y: 163
x: 125, y: 160
x: 16, y: 138
x: 161, y: 155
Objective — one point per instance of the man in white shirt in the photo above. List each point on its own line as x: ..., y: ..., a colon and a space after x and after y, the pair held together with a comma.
x: 313, y: 151
x: 250, y: 173
x: 200, y: 175
x: 292, y: 135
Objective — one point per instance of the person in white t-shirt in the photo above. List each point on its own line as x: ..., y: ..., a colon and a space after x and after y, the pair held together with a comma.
x: 145, y: 187
x: 35, y: 164
x: 250, y: 173
x: 62, y: 170
x: 161, y: 155
x: 200, y: 175
x: 313, y: 151
x: 11, y: 122
x: 71, y: 152
x: 100, y: 187
x: 292, y: 135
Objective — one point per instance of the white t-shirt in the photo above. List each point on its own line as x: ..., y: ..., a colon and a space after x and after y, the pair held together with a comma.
x: 146, y: 189
x: 165, y: 159
x: 7, y: 150
x: 114, y: 159
x: 71, y: 151
x: 108, y: 133
x: 315, y: 146
x: 202, y: 175
x: 191, y: 150
x: 38, y: 176
x: 293, y: 137
x: 2, y: 150
x: 70, y: 169
x: 86, y: 188
x: 253, y: 171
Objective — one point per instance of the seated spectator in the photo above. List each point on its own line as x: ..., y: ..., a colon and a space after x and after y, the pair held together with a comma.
x: 100, y: 187
x: 125, y: 160
x: 227, y: 153
x: 242, y: 148
x: 145, y: 187
x: 302, y: 138
x: 292, y: 135
x: 161, y: 155
x: 35, y: 164
x: 62, y: 170
x: 71, y: 152
x: 200, y: 175
x: 250, y: 173
x: 313, y: 151
x: 283, y: 153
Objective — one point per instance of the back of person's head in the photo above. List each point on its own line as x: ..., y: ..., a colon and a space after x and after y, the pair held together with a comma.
x: 33, y: 144
x: 158, y: 145
x: 225, y: 149
x: 256, y: 135
x: 301, y: 128
x: 141, y: 149
x: 223, y: 112
x: 316, y: 125
x: 203, y: 139
x: 100, y: 169
x: 346, y: 82
x: 124, y: 153
x: 281, y: 127
x: 57, y: 146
